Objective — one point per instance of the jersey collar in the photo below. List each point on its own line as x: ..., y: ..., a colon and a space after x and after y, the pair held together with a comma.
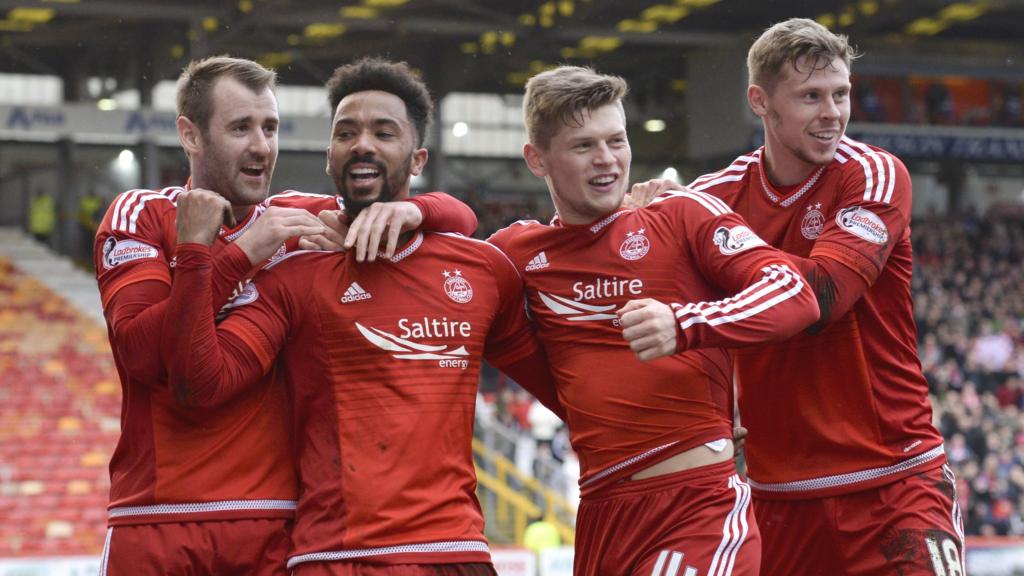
x: 595, y: 226
x: 411, y: 247
x: 785, y: 200
x: 232, y: 234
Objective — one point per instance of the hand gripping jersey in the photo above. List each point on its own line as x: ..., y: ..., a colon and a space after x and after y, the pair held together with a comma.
x: 226, y: 462
x: 845, y: 408
x: 688, y: 249
x: 171, y: 464
x: 383, y: 361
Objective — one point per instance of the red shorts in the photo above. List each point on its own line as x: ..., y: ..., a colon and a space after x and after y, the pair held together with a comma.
x: 694, y: 522
x: 911, y: 527
x: 252, y: 546
x: 346, y: 568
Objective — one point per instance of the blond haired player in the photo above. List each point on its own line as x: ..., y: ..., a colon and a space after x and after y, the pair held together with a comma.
x: 848, y: 473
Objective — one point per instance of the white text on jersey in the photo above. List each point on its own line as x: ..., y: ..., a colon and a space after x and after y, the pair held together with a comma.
x: 403, y: 348
x: 433, y: 328
x: 607, y: 288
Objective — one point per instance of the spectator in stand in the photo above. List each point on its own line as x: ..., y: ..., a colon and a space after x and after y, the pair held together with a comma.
x: 969, y: 303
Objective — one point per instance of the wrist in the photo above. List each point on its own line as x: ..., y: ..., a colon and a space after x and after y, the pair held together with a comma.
x: 233, y: 261
x: 246, y: 246
x: 200, y: 238
x: 681, y: 343
x: 192, y: 254
x: 416, y: 213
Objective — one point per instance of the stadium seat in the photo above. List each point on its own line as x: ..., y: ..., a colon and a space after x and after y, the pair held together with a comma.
x: 59, y: 408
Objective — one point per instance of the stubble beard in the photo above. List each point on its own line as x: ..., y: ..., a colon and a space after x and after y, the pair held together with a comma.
x: 216, y: 175
x: 796, y: 150
x: 388, y: 189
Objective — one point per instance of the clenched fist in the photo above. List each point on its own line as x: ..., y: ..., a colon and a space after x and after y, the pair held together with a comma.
x: 650, y: 328
x: 200, y: 214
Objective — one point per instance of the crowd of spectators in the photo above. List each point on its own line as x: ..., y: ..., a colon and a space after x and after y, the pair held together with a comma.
x: 969, y: 306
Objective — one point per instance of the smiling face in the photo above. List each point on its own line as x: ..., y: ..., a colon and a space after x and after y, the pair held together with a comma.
x: 235, y: 156
x: 373, y: 153
x: 586, y: 167
x: 805, y: 115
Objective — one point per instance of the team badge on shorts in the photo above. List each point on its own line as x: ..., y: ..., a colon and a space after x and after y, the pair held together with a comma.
x: 813, y: 222
x: 456, y: 287
x: 635, y: 246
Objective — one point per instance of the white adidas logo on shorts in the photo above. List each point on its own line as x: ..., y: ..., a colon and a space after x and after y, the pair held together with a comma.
x: 355, y: 293
x: 539, y: 261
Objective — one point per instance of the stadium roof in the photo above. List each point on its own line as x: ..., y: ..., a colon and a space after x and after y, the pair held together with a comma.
x: 481, y: 45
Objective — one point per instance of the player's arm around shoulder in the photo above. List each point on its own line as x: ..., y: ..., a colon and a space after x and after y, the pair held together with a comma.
x: 272, y: 305
x: 444, y: 213
x: 642, y: 194
x: 377, y: 229
x: 767, y: 298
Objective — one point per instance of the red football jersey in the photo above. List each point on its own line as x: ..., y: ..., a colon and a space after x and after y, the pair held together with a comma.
x: 383, y: 361
x: 232, y: 461
x: 846, y: 408
x: 688, y: 249
x: 170, y: 464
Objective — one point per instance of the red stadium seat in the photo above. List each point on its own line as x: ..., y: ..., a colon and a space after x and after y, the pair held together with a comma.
x: 59, y: 414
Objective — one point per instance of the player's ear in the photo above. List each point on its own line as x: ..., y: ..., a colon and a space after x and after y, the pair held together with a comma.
x: 189, y: 135
x: 328, y: 155
x: 534, y: 160
x: 757, y: 98
x: 419, y: 160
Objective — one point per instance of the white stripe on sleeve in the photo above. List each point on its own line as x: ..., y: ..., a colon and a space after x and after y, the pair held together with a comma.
x: 778, y: 284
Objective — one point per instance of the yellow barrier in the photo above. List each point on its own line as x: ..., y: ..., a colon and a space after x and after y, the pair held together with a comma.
x: 512, y: 502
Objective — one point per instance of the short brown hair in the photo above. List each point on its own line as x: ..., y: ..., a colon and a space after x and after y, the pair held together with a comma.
x: 787, y: 42
x: 560, y: 96
x: 200, y: 76
x: 392, y: 77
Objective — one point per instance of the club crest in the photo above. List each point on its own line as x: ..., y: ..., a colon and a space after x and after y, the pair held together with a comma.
x: 813, y: 222
x: 456, y: 287
x: 635, y: 246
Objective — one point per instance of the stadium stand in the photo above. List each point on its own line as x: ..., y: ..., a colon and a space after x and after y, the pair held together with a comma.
x: 969, y: 302
x: 59, y: 406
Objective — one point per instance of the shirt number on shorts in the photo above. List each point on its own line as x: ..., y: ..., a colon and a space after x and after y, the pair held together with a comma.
x: 945, y: 557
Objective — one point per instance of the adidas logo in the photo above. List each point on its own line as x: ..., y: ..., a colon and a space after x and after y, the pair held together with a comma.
x: 355, y: 293
x: 539, y: 261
